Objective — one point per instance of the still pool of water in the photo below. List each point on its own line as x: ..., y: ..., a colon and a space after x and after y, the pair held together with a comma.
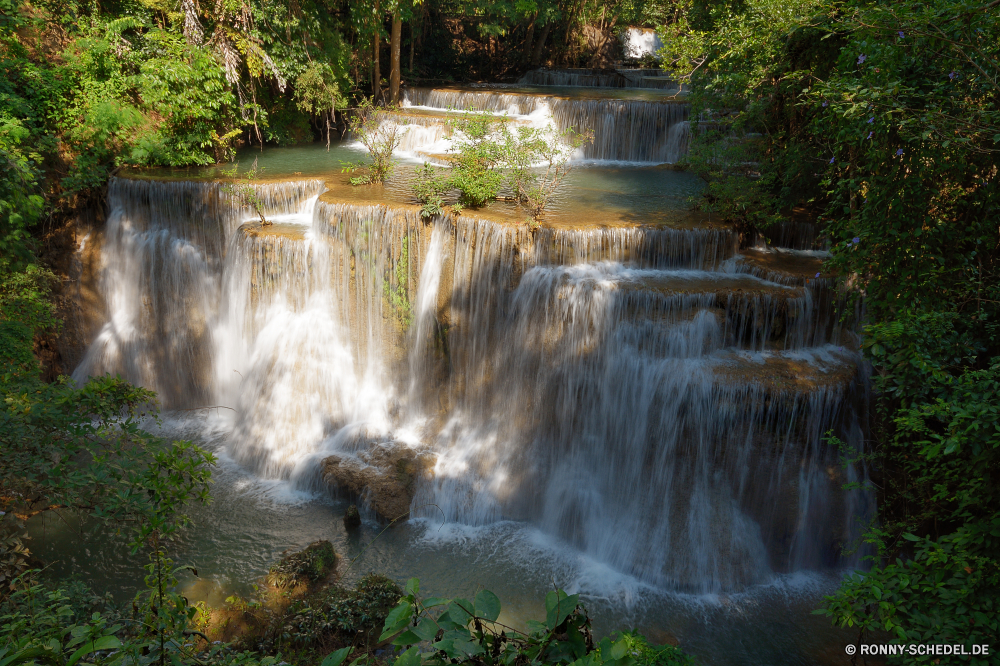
x: 250, y: 522
x: 593, y: 194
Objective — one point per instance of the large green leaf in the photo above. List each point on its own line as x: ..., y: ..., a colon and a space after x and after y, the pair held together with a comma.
x: 487, y: 606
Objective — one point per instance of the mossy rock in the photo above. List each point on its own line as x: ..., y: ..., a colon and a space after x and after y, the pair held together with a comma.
x: 352, y: 517
x: 304, y: 567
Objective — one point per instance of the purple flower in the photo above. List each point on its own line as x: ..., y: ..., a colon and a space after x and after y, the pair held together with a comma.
x: 899, y: 152
x: 901, y: 35
x: 870, y: 134
x: 856, y: 240
x: 952, y: 75
x: 862, y: 58
x: 831, y: 160
x: 871, y: 120
x: 817, y: 274
x: 825, y: 104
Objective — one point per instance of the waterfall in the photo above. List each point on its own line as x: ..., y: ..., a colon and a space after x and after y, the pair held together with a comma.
x: 652, y: 396
x: 624, y: 130
x: 163, y: 247
x: 619, y: 78
x: 639, y: 42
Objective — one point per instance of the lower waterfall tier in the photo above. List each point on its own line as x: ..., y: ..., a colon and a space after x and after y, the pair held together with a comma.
x: 649, y: 395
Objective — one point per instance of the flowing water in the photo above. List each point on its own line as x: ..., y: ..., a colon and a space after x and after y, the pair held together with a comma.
x: 624, y: 403
x: 618, y: 78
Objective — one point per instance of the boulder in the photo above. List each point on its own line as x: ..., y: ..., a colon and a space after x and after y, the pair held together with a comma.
x: 386, y: 476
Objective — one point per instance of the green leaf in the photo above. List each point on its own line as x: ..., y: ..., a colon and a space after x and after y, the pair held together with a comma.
x: 102, y: 643
x: 435, y: 601
x: 426, y: 630
x: 409, y: 658
x: 558, y: 606
x: 460, y: 611
x: 413, y: 586
x: 338, y: 657
x: 487, y: 606
x: 398, y: 618
x: 407, y: 638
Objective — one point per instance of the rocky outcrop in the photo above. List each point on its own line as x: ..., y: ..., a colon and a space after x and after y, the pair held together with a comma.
x: 385, y: 476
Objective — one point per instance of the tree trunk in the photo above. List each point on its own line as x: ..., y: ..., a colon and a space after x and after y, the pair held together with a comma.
x: 529, y: 38
x: 394, y: 44
x: 413, y: 38
x: 376, y: 68
x: 536, y: 57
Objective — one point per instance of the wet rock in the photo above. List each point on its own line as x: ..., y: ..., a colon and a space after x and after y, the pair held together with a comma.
x: 305, y: 567
x: 352, y: 517
x: 385, y: 475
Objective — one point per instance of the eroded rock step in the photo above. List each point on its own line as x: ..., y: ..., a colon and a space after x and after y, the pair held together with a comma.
x: 783, y: 265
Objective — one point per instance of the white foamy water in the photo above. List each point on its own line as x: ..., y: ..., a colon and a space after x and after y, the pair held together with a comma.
x: 630, y: 394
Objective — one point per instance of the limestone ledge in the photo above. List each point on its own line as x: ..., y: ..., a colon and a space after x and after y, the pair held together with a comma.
x: 790, y: 374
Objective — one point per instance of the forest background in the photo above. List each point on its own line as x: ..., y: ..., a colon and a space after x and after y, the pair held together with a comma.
x: 878, y: 121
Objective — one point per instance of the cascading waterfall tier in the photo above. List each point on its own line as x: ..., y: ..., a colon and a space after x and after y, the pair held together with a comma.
x: 618, y: 78
x: 649, y: 395
x: 623, y: 130
x: 161, y: 261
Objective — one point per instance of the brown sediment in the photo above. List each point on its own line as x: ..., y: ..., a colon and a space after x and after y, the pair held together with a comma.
x: 276, y: 230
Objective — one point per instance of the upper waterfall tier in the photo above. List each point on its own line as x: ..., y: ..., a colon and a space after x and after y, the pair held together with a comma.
x: 599, y: 78
x: 647, y: 394
x: 642, y: 128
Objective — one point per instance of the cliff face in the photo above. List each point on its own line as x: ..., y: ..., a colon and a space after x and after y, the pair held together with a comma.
x: 72, y: 250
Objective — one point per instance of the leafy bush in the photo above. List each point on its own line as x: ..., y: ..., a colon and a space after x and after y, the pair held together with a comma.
x: 490, y: 155
x: 379, y: 137
x: 460, y: 631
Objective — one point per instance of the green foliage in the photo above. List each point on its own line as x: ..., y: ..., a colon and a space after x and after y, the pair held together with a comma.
x: 430, y: 188
x: 941, y: 594
x: 490, y: 155
x: 42, y: 626
x: 306, y: 566
x: 188, y: 88
x: 380, y: 137
x: 481, y: 146
x: 21, y: 202
x: 462, y: 631
x: 349, y: 614
x: 396, y: 287
x: 317, y: 90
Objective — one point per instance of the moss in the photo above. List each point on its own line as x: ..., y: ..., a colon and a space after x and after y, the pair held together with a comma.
x: 352, y: 518
x: 397, y: 294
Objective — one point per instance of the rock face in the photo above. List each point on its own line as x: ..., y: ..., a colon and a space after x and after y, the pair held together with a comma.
x: 385, y: 476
